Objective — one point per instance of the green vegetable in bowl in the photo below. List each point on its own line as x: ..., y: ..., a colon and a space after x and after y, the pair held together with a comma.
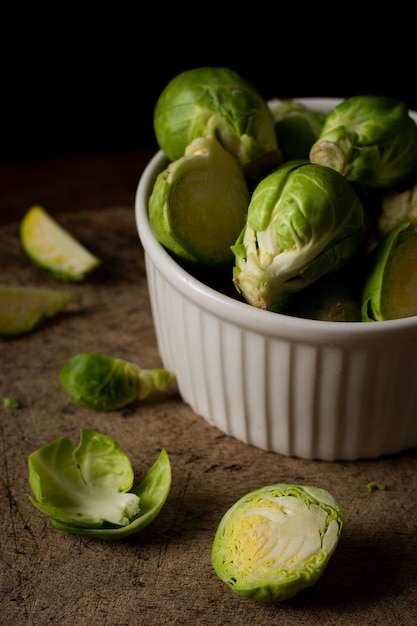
x: 397, y: 207
x: 218, y: 102
x: 304, y: 221
x: 277, y: 540
x: 86, y: 490
x: 199, y: 202
x: 106, y: 383
x: 390, y: 289
x: 296, y: 126
x: 371, y: 140
x: 330, y: 299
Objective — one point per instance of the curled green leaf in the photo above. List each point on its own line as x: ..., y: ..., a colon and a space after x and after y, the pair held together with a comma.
x: 88, y: 490
x: 373, y: 486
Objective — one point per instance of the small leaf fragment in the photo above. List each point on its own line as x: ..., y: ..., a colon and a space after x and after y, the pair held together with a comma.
x: 374, y: 486
x: 11, y: 403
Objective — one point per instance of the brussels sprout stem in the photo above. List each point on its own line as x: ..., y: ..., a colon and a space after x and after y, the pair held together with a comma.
x: 329, y: 154
x: 151, y: 379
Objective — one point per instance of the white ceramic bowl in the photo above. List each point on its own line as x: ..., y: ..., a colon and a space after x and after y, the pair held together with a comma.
x: 305, y: 388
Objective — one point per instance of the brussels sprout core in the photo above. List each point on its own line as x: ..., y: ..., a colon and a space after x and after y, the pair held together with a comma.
x: 277, y: 540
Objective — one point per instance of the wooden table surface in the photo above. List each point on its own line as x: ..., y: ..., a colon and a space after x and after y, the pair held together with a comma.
x: 162, y: 575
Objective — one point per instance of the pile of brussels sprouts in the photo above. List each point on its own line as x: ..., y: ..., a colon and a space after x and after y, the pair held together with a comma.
x: 306, y: 213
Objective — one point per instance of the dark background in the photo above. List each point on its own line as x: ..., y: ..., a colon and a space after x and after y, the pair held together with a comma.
x: 79, y: 83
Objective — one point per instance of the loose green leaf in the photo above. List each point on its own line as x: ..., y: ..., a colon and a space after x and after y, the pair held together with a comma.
x: 106, y: 383
x: 87, y: 490
x: 84, y: 486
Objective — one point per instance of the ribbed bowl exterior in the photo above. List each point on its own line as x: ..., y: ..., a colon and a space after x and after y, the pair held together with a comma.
x: 315, y: 390
x: 294, y: 397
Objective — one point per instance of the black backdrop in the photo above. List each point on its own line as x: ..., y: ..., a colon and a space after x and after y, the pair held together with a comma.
x: 77, y: 83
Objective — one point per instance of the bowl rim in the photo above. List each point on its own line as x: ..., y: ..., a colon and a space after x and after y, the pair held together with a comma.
x: 242, y: 313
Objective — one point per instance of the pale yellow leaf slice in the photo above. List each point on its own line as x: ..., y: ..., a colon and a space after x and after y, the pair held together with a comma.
x: 22, y: 309
x: 49, y: 245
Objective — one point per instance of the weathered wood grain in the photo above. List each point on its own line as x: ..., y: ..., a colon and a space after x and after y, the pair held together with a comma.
x: 163, y: 575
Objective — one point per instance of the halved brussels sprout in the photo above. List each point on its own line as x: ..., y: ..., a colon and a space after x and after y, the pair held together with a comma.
x: 304, y: 221
x: 217, y: 101
x: 277, y: 540
x: 199, y: 202
x: 371, y: 140
x: 390, y: 290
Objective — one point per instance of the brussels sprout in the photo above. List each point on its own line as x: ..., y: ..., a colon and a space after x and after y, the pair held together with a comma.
x: 304, y: 221
x: 296, y: 127
x: 329, y: 299
x: 199, y: 202
x: 217, y: 101
x: 105, y: 383
x: 85, y: 490
x: 397, y: 207
x: 371, y: 140
x: 277, y: 540
x: 390, y: 289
